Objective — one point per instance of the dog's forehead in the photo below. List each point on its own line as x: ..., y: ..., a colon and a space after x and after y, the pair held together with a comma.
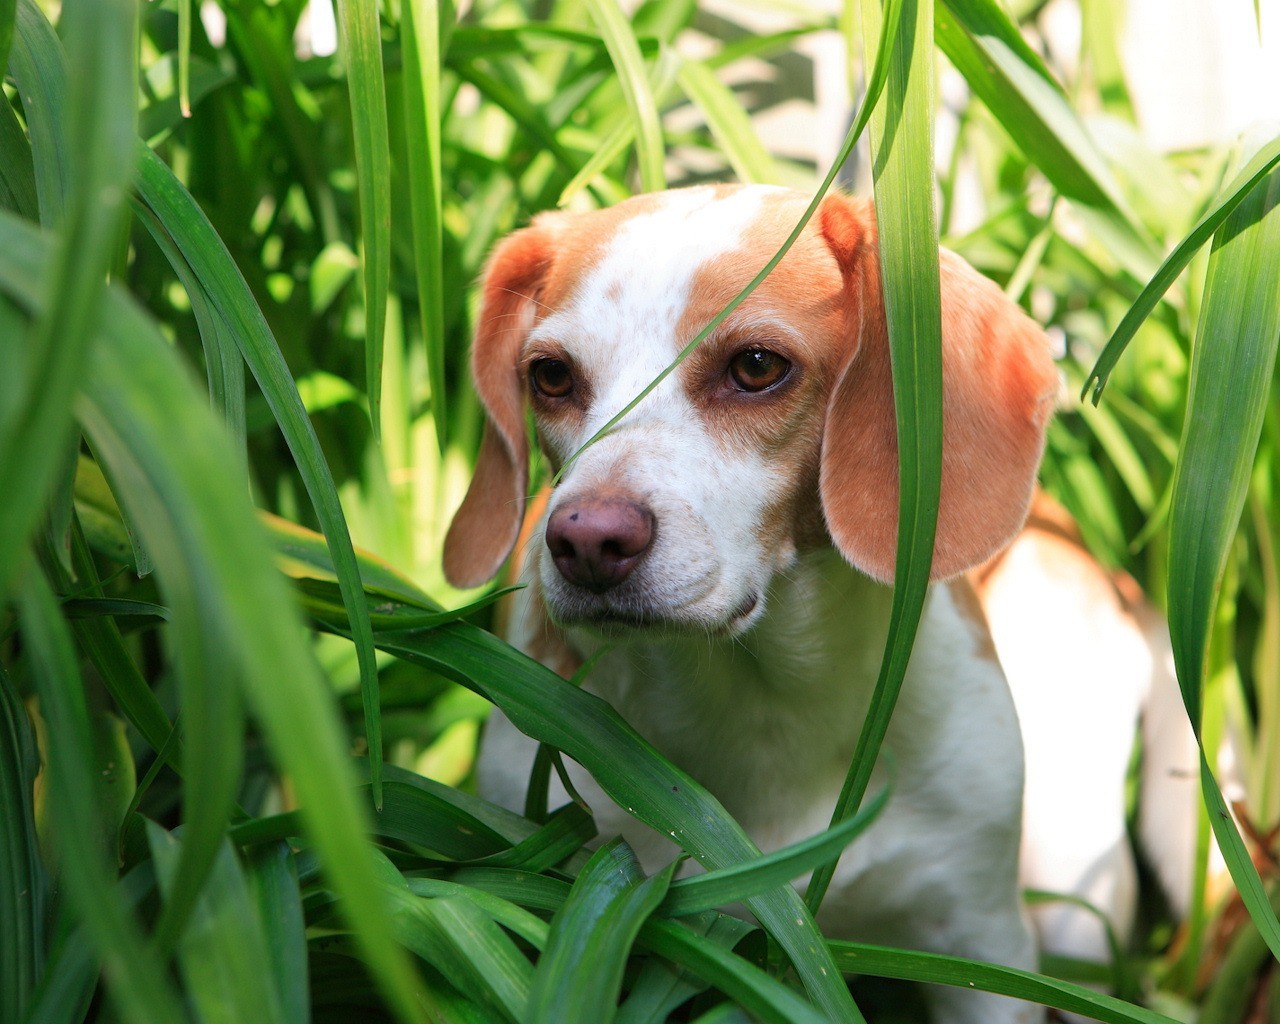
x: 630, y: 300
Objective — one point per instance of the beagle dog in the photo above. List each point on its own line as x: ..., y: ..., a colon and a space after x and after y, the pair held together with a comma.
x: 728, y: 546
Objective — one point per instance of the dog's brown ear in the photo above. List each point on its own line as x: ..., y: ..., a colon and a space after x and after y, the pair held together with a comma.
x: 999, y: 385
x: 486, y: 525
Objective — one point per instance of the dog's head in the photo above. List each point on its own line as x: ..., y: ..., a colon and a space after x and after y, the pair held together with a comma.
x: 775, y: 436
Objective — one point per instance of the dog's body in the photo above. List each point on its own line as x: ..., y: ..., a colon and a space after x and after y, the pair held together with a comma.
x: 730, y: 539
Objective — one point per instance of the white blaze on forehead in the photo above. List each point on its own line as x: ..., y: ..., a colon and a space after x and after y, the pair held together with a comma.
x: 620, y: 324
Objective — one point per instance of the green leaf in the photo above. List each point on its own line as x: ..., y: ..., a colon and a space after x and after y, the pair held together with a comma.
x: 766, y: 998
x: 1232, y: 196
x: 22, y: 877
x: 224, y: 948
x: 617, y: 36
x: 515, y: 919
x: 902, y: 160
x: 360, y: 40
x: 579, y: 976
x: 8, y: 9
x: 84, y: 198
x: 731, y: 885
x: 273, y: 879
x: 1232, y: 364
x: 934, y: 968
x: 458, y: 939
x: 136, y: 980
x: 661, y: 987
x: 17, y: 175
x: 729, y: 123
x: 985, y: 45
x: 230, y: 295
x: 420, y: 46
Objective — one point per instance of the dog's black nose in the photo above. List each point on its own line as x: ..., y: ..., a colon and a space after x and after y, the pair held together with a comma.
x: 597, y: 541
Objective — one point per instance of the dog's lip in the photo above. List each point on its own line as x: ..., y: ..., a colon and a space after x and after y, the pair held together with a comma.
x: 607, y: 617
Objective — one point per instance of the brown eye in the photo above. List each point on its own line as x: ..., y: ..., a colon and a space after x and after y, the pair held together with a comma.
x: 551, y: 377
x: 757, y: 369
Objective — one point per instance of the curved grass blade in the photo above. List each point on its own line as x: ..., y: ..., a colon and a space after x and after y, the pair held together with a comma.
x: 221, y: 954
x: 729, y: 123
x: 731, y: 885
x: 579, y: 976
x: 515, y: 919
x: 457, y: 938
x: 985, y: 45
x: 224, y: 366
x: 629, y: 65
x: 1245, y: 182
x: 1232, y: 364
x: 361, y: 43
x: 934, y: 968
x: 766, y: 998
x: 8, y: 9
x: 137, y: 982
x: 22, y: 877
x: 98, y: 131
x: 665, y: 72
x: 38, y: 65
x: 420, y: 48
x: 17, y: 175
x: 227, y: 291
x: 661, y: 987
x: 273, y: 881
x: 902, y: 159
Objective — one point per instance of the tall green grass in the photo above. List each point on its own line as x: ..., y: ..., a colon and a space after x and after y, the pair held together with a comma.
x: 234, y: 742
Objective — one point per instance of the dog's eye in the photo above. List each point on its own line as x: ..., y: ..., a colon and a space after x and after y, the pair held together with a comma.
x: 757, y: 369
x: 551, y: 377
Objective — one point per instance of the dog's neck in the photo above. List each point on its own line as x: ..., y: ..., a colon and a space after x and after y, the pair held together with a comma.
x: 792, y: 691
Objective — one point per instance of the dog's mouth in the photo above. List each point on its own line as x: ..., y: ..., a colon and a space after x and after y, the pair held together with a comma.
x: 617, y: 619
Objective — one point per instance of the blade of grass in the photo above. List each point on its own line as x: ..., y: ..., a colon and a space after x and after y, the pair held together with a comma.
x: 360, y: 40
x: 98, y: 132
x: 22, y: 877
x: 579, y: 976
x: 985, y: 45
x: 731, y: 885
x: 136, y: 980
x: 902, y: 158
x: 458, y: 938
x: 1249, y: 177
x: 729, y: 123
x: 8, y: 11
x: 273, y: 879
x: 625, y: 52
x: 17, y: 175
x: 420, y: 47
x: 934, y: 968
x: 765, y: 997
x: 222, y: 953
x: 223, y: 283
x: 1232, y: 363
